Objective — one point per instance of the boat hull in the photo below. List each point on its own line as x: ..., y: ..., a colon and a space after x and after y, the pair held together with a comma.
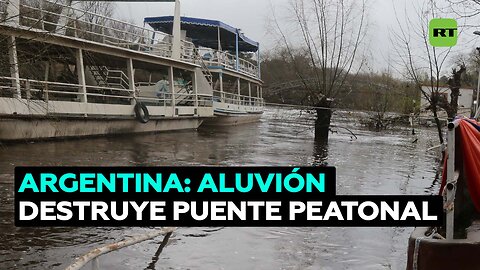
x: 226, y: 114
x: 442, y: 254
x: 21, y: 129
x: 232, y: 119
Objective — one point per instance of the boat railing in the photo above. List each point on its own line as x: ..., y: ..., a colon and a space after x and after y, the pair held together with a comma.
x: 247, y: 67
x: 236, y: 99
x: 229, y: 61
x: 185, y: 100
x: 75, y: 22
x: 117, y: 78
x: 204, y: 100
x: 56, y: 91
x: 188, y: 51
x: 71, y: 21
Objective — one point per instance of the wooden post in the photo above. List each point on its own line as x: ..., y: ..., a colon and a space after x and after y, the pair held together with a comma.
x: 14, y: 71
x: 81, y: 76
x: 131, y: 80
x: 172, y: 89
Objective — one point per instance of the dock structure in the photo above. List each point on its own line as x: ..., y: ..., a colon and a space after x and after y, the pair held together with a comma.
x: 71, y: 72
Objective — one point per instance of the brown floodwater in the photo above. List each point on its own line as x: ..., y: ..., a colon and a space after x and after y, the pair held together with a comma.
x: 373, y: 163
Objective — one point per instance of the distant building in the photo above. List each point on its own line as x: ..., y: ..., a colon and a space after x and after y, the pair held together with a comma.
x: 465, y: 101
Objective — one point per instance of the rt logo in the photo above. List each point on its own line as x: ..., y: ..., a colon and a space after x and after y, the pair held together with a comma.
x: 443, y: 32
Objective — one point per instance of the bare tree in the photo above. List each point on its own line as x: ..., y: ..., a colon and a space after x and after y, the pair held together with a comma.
x: 454, y: 83
x: 95, y: 24
x: 330, y: 35
x: 106, y: 9
x: 463, y: 8
x: 417, y: 57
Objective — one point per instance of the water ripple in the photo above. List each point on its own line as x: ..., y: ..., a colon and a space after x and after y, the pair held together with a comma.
x: 374, y: 163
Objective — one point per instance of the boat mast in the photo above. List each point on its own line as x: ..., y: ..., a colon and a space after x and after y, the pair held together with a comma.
x: 176, y: 32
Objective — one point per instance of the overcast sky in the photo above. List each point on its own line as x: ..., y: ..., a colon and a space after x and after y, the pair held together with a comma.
x: 249, y: 15
x: 253, y: 16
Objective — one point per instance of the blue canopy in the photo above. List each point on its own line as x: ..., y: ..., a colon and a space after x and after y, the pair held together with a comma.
x: 205, y: 33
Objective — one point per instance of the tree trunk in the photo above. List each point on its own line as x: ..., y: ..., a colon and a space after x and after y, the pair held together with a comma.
x: 455, y: 92
x: 451, y: 108
x: 454, y: 83
x: 322, y: 123
x: 320, y: 153
x: 439, y: 125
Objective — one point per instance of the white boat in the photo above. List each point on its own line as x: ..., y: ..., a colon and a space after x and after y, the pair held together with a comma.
x: 71, y: 73
x: 237, y: 84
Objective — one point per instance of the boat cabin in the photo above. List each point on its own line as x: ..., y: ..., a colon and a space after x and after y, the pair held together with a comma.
x: 231, y: 57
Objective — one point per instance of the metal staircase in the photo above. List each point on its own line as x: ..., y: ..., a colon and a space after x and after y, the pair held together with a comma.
x: 117, y: 79
x: 206, y: 72
x: 184, y: 98
x: 109, y: 78
x: 99, y: 74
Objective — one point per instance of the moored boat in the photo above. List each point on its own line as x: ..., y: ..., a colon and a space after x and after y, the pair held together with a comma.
x: 233, y: 61
x: 72, y: 73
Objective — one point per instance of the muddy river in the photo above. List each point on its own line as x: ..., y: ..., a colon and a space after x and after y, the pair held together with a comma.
x: 387, y: 162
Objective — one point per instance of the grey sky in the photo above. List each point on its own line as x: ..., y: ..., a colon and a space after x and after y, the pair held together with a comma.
x: 248, y: 15
x: 252, y: 16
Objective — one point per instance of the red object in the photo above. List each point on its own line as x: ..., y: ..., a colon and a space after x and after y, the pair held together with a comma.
x: 467, y: 137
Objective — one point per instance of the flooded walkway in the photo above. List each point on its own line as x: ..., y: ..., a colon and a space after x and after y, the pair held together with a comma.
x: 375, y: 163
